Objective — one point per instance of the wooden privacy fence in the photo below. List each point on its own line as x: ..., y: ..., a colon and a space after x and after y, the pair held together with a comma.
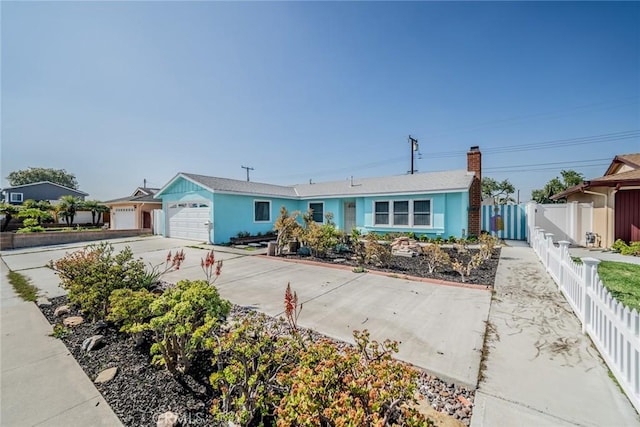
x: 505, y: 221
x: 613, y: 327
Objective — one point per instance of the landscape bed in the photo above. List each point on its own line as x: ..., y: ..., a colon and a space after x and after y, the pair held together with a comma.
x: 140, y: 391
x: 414, y: 266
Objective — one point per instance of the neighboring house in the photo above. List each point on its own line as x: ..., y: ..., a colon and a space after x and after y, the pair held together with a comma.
x: 616, y: 200
x: 215, y: 209
x: 39, y: 191
x: 134, y: 211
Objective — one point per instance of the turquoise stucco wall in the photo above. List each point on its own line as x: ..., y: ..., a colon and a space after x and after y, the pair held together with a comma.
x: 448, y: 214
x: 234, y: 213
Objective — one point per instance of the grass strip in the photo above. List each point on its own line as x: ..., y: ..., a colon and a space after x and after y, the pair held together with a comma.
x: 23, y: 288
x: 622, y: 280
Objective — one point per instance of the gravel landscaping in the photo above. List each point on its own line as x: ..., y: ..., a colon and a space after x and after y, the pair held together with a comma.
x: 412, y: 266
x: 140, y: 392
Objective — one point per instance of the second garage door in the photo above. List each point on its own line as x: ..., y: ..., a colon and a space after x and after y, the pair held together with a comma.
x: 124, y: 218
x: 189, y: 220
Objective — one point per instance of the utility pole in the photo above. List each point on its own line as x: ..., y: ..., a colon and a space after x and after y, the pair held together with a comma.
x: 413, y: 145
x: 248, y: 169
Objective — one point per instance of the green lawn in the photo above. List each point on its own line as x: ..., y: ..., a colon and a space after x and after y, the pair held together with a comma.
x: 623, y: 281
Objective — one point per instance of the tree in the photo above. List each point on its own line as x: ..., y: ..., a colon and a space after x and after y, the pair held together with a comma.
x: 500, y: 192
x: 95, y: 208
x: 31, y: 175
x: 570, y: 178
x: 68, y: 207
x: 8, y: 211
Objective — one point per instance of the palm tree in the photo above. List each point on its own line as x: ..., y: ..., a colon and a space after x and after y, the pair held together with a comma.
x: 96, y: 210
x: 68, y: 207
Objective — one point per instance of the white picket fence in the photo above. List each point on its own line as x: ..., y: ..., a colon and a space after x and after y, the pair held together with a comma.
x: 613, y: 327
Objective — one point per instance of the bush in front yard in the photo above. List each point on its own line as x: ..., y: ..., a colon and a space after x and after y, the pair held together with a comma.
x: 89, y: 275
x: 182, y: 319
x: 361, y: 386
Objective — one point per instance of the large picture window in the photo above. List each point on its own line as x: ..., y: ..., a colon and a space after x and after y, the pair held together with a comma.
x: 262, y: 211
x: 382, y: 213
x: 422, y: 212
x: 399, y: 213
x: 317, y: 210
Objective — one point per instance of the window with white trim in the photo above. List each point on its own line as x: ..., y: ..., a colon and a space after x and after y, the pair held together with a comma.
x: 422, y: 212
x: 15, y: 197
x: 381, y: 213
x: 317, y: 211
x: 262, y: 211
x: 402, y: 213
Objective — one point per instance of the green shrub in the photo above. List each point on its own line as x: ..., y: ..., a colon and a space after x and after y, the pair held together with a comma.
x: 128, y: 308
x: 320, y: 238
x: 247, y: 360
x: 361, y: 386
x: 626, y: 249
x: 182, y: 319
x: 90, y: 275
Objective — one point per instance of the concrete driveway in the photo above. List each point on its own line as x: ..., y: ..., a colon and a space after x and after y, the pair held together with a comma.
x: 441, y: 328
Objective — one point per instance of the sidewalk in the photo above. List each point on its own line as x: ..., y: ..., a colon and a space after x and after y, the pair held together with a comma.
x: 41, y: 383
x: 540, y: 369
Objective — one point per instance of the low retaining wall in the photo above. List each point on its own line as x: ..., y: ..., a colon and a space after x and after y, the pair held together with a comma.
x: 29, y: 240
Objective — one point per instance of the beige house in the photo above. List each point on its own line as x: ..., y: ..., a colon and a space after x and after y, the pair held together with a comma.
x: 135, y: 211
x: 616, y: 200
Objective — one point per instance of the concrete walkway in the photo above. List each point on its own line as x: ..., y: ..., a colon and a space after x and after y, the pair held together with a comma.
x: 41, y: 383
x: 541, y: 370
x: 603, y: 255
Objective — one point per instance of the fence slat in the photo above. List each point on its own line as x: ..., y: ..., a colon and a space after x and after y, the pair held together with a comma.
x: 613, y: 327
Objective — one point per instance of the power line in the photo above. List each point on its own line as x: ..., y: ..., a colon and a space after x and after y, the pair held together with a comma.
x: 545, y: 145
x: 547, y: 164
x: 550, y: 115
x: 556, y: 143
x: 543, y: 169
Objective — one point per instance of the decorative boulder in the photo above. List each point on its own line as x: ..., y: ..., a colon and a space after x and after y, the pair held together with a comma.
x: 61, y: 311
x: 73, y: 321
x: 168, y: 419
x: 106, y: 375
x: 93, y: 342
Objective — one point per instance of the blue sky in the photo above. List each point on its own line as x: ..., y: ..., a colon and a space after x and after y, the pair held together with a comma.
x: 118, y: 92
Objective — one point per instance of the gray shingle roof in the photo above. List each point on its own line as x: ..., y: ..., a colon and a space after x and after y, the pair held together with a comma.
x: 241, y: 187
x: 147, y: 198
x: 431, y: 182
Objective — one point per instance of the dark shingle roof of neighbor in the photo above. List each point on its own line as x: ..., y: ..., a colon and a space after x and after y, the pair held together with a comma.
x: 430, y: 182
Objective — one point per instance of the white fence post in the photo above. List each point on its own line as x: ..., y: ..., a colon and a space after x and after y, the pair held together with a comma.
x: 589, y: 275
x: 564, y: 257
x: 549, y: 244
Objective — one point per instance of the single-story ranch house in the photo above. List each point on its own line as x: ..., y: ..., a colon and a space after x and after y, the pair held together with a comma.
x: 212, y: 209
x: 134, y: 211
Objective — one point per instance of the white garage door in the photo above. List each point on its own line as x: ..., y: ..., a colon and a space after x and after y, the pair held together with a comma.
x: 124, y: 218
x: 188, y: 220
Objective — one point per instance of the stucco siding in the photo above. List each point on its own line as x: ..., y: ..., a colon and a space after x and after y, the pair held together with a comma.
x: 603, y: 204
x: 235, y: 213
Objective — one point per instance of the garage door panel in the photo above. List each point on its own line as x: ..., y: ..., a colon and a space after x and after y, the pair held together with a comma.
x: 188, y: 220
x: 124, y: 218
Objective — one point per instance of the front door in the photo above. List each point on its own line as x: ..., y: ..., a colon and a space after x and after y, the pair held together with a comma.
x: 349, y: 219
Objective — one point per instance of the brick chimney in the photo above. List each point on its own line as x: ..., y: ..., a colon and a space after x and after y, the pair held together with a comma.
x: 474, y: 164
